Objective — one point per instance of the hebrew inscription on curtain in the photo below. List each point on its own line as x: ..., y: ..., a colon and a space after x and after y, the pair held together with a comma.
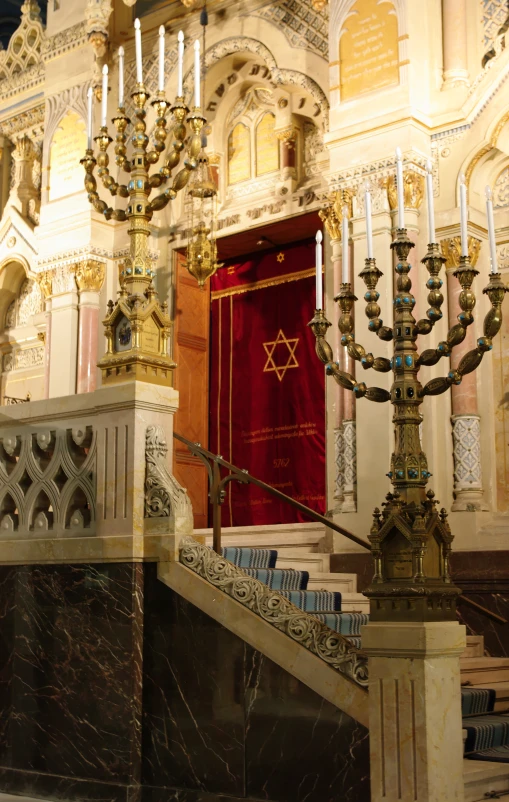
x: 267, y: 391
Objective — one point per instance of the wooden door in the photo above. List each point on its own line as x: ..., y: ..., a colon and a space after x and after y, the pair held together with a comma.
x: 191, y: 353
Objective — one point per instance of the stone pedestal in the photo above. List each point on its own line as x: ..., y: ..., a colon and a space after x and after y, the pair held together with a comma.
x: 415, y: 730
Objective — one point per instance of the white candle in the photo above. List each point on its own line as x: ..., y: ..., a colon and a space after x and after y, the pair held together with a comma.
x: 463, y: 216
x: 399, y: 186
x: 137, y: 42
x: 161, y: 58
x: 319, y: 262
x: 180, y: 90
x: 104, y: 105
x: 121, y: 77
x: 197, y: 74
x: 491, y: 230
x: 431, y: 208
x: 345, y: 236
x: 90, y: 95
x: 369, y: 230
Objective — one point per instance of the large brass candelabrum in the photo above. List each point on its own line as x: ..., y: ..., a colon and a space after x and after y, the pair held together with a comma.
x: 137, y: 327
x: 410, y: 538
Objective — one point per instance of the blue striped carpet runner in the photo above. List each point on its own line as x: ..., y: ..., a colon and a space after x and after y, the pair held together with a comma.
x: 487, y: 732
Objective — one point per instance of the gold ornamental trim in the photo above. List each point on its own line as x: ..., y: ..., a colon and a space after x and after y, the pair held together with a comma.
x: 260, y: 285
x: 451, y: 249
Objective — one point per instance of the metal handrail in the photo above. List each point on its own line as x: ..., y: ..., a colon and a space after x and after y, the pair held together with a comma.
x: 10, y: 400
x: 217, y: 493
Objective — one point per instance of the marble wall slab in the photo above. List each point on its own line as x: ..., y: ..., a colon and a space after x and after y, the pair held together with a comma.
x: 114, y: 689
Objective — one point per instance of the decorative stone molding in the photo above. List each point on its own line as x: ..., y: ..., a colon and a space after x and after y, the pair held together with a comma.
x: 413, y: 190
x: 339, y: 463
x: 501, y: 189
x: 65, y: 41
x: 24, y: 195
x: 29, y: 357
x: 90, y: 275
x: 329, y: 646
x: 451, y: 250
x: 97, y: 16
x: 164, y: 497
x: 57, y: 280
x: 302, y: 21
x: 349, y: 467
x: 29, y: 302
x: 30, y: 120
x: 21, y: 64
x: 466, y: 438
x: 72, y: 99
x: 47, y: 483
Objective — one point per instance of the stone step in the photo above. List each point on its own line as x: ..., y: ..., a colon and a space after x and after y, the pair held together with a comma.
x: 484, y: 671
x: 307, y: 536
x: 344, y: 583
x: 475, y: 646
x: 354, y: 603
x: 302, y: 560
x: 502, y: 691
x: 480, y: 777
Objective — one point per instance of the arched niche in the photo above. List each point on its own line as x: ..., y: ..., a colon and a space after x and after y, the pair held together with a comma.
x: 13, y: 273
x: 368, y: 48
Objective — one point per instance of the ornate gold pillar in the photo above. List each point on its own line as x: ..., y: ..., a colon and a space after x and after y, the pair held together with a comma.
x: 89, y: 278
x: 466, y: 421
x: 454, y: 27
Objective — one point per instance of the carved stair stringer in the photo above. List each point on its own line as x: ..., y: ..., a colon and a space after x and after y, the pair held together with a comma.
x: 299, y: 643
x: 167, y: 505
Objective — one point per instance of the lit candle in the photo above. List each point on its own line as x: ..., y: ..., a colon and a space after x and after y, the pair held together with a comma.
x: 369, y: 230
x: 90, y: 95
x: 137, y: 41
x: 197, y: 74
x: 319, y: 262
x: 121, y: 77
x: 161, y: 58
x: 180, y: 90
x: 344, y: 243
x: 431, y: 209
x: 463, y: 216
x: 104, y: 106
x: 491, y: 230
x: 399, y: 186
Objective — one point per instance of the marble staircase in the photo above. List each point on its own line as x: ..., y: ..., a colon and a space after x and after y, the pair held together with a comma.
x: 301, y: 547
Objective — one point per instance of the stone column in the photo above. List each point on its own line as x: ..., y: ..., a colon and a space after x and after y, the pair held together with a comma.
x: 466, y: 422
x: 89, y: 278
x: 454, y: 25
x: 44, y: 280
x: 415, y: 730
x: 287, y: 161
x: 64, y: 331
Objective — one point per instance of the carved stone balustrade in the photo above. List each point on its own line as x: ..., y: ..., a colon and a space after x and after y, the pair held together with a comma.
x: 87, y: 476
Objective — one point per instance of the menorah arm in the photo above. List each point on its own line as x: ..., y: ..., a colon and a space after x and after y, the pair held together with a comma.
x: 179, y: 183
x: 370, y: 274
x: 456, y: 335
x: 495, y: 290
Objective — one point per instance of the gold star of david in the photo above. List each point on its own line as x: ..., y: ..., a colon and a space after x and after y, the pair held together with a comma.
x: 280, y: 257
x: 291, y: 345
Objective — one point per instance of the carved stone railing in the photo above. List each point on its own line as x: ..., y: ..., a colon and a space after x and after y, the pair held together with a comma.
x: 91, y: 465
x: 302, y: 627
x: 47, y: 482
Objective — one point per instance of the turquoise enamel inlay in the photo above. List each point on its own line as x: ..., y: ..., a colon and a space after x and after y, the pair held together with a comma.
x: 409, y: 361
x: 399, y: 362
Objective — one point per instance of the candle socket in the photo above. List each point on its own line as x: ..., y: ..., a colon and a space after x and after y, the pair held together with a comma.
x: 140, y: 96
x: 319, y: 324
x: 103, y: 139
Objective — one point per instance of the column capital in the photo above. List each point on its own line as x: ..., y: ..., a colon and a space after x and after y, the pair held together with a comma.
x: 90, y: 275
x: 451, y: 249
x: 332, y: 215
x: 413, y: 190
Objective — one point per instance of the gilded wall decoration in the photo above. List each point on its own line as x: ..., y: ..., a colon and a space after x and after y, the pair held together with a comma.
x: 451, y: 250
x: 267, y: 145
x: 68, y: 145
x: 90, y: 275
x: 239, y: 154
x: 368, y: 48
x: 413, y: 190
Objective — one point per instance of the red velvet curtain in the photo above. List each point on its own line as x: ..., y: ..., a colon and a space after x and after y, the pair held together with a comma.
x: 267, y: 391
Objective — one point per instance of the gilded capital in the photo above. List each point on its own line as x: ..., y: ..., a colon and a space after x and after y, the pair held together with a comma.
x: 319, y: 5
x: 413, y: 190
x: 451, y: 249
x: 332, y: 215
x: 287, y: 134
x: 45, y: 283
x: 90, y: 275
